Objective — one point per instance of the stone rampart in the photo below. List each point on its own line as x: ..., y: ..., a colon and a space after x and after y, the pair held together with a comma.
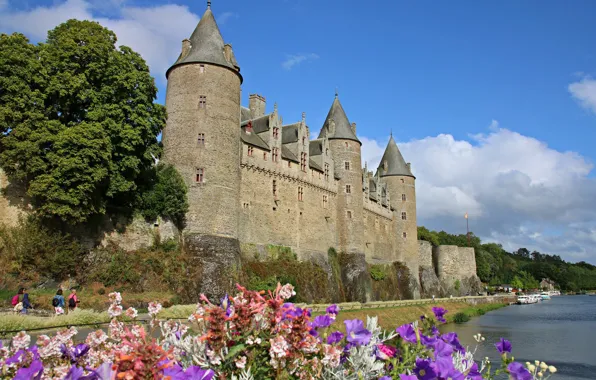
x: 12, y: 201
x: 456, y: 269
x: 425, y: 254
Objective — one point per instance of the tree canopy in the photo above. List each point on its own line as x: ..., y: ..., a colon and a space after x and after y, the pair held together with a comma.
x: 78, y: 122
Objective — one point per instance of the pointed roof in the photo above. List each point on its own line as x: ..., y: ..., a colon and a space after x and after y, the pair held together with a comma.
x: 343, y: 128
x: 207, y: 46
x: 396, y: 165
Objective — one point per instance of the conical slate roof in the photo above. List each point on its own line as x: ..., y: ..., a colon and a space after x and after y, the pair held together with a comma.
x: 343, y: 128
x: 207, y: 46
x: 393, y: 162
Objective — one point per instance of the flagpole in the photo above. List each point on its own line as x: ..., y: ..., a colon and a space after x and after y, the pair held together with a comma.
x: 467, y: 229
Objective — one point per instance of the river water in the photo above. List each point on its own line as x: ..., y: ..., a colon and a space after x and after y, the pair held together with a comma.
x: 560, y: 331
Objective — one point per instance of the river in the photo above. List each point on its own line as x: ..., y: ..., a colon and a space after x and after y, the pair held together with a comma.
x: 560, y: 331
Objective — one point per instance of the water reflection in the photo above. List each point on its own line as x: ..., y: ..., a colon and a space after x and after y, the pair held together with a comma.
x: 560, y: 332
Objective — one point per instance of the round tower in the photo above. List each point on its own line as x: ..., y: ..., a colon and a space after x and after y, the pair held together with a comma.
x: 346, y: 152
x: 202, y: 140
x: 401, y: 184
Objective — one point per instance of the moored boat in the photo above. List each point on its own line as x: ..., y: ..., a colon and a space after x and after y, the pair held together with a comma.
x: 545, y: 295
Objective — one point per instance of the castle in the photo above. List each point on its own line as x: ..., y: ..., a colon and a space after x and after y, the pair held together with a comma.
x: 254, y: 179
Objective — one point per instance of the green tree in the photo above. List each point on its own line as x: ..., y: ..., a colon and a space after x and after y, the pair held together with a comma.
x: 517, y: 283
x: 429, y: 236
x: 166, y: 196
x: 78, y: 120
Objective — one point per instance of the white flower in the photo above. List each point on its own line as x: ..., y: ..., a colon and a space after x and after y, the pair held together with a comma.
x: 531, y: 368
x: 154, y: 308
x: 543, y: 366
x: 279, y: 346
x: 552, y: 369
x: 114, y: 310
x: 287, y: 291
x: 59, y: 310
x: 332, y: 356
x: 539, y: 374
x: 241, y: 362
x: 115, y: 297
x: 21, y: 341
x: 131, y: 312
x: 258, y: 341
x: 537, y: 362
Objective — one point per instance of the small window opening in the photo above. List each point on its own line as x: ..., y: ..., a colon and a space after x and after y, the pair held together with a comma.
x: 403, y: 197
x: 201, y: 69
x: 347, y: 165
x: 202, y: 101
x: 349, y: 214
x: 348, y: 189
x: 300, y: 194
x: 405, y: 235
x: 201, y: 139
x: 250, y: 150
x: 403, y: 216
x: 200, y: 175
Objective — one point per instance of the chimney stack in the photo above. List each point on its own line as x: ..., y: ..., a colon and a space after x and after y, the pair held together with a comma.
x: 185, y: 47
x: 256, y: 103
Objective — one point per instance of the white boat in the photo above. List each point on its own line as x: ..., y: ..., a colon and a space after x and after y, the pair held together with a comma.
x: 545, y: 295
x: 523, y: 300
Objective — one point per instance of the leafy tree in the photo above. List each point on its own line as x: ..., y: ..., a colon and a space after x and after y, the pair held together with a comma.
x: 166, y: 196
x: 78, y: 125
x: 429, y: 236
x: 517, y: 283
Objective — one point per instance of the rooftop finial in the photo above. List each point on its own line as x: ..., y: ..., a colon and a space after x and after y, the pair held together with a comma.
x: 391, y: 132
x: 336, y: 92
x: 208, y: 4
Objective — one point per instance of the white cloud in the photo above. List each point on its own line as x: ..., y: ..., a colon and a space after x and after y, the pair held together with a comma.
x: 223, y: 18
x: 516, y: 189
x: 154, y: 32
x: 3, y: 4
x: 585, y: 92
x: 295, y: 59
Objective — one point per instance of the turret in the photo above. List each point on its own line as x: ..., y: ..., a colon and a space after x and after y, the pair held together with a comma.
x: 396, y: 173
x: 346, y: 153
x: 202, y: 140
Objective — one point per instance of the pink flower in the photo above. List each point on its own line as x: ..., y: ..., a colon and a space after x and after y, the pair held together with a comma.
x: 115, y: 297
x: 240, y: 362
x: 21, y: 341
x: 287, y: 291
x: 114, y: 310
x: 386, y: 352
x: 131, y: 312
x: 279, y: 347
x: 154, y: 308
x: 332, y: 355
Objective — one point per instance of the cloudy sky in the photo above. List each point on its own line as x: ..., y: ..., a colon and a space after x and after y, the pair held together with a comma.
x: 494, y: 104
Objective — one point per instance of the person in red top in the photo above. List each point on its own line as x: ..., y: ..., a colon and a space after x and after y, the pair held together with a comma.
x: 73, y: 300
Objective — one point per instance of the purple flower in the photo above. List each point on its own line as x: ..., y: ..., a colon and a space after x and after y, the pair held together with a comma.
x: 439, y: 313
x: 334, y: 337
x: 289, y: 310
x: 73, y: 355
x: 443, y: 365
x: 503, y: 346
x: 385, y: 378
x: 333, y: 309
x: 453, y: 340
x: 407, y: 333
x: 435, y: 331
x: 474, y: 374
x: 102, y: 372
x: 405, y: 377
x: 195, y: 372
x: 225, y: 304
x: 33, y: 372
x: 518, y: 372
x: 356, y: 333
x: 74, y: 373
x: 321, y: 321
x: 424, y: 370
x: 443, y: 349
x: 428, y: 341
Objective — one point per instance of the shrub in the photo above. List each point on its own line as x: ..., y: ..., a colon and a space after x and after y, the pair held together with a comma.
x: 165, y: 196
x: 461, y: 318
x: 377, y: 272
x: 457, y: 285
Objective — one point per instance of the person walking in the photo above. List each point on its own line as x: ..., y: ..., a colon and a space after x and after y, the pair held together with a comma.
x: 58, y: 302
x: 26, y: 303
x: 73, y: 300
x: 17, y: 301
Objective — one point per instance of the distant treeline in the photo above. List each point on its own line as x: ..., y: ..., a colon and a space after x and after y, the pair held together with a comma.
x: 522, y: 268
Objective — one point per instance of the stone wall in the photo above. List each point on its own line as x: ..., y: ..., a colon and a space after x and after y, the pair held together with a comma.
x: 456, y: 269
x: 425, y: 254
x: 12, y: 201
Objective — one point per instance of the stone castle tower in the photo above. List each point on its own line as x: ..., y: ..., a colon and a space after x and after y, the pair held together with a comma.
x: 254, y: 181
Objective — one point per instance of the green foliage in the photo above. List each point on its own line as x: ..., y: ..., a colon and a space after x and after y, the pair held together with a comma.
x: 429, y: 236
x: 461, y: 317
x: 377, y: 272
x: 457, y: 285
x: 78, y: 126
x: 280, y: 252
x: 30, y: 250
x: 166, y: 195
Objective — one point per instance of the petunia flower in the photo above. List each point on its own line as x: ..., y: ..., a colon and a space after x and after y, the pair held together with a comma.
x: 424, y: 370
x: 407, y: 333
x: 518, y: 372
x: 321, y: 321
x: 406, y: 377
x: 474, y: 373
x: 335, y: 337
x: 453, y: 340
x: 33, y: 372
x: 503, y: 346
x: 333, y: 309
x: 356, y: 333
x: 439, y: 313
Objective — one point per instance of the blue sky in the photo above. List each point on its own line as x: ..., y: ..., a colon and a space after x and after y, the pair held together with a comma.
x: 493, y: 102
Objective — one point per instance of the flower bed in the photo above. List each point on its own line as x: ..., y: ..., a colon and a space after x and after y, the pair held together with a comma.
x: 257, y: 336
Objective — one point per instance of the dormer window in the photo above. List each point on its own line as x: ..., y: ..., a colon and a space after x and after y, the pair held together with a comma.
x: 276, y: 133
x: 202, y: 101
x: 248, y: 128
x: 201, y: 69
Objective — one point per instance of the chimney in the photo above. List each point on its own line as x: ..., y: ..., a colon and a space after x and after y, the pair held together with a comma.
x: 354, y: 128
x: 409, y: 166
x: 256, y: 103
x: 228, y: 52
x: 185, y: 48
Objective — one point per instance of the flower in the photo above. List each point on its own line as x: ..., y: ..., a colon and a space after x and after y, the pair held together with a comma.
x: 332, y: 356
x: 154, y: 308
x: 424, y: 370
x: 407, y: 333
x: 503, y: 346
x: 335, y: 337
x: 453, y: 340
x: 73, y: 354
x: 34, y: 371
x: 403, y: 377
x: 115, y: 297
x: 439, y: 313
x: 114, y: 310
x: 287, y: 291
x: 552, y: 369
x: 443, y: 349
x: 131, y: 312
x: 21, y: 340
x: 543, y: 366
x: 321, y: 321
x: 518, y: 372
x: 531, y: 368
x: 385, y: 352
x: 356, y: 333
x: 240, y: 362
x: 474, y: 373
x: 279, y: 347
x: 333, y: 309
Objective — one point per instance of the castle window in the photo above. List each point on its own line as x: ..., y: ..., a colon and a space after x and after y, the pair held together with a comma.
x: 324, y: 201
x: 248, y: 128
x: 326, y: 151
x: 274, y: 187
x: 245, y: 205
x: 304, y: 140
x: 403, y: 216
x: 276, y: 133
x: 348, y: 189
x: 200, y: 178
x: 347, y: 146
x: 347, y: 165
x: 250, y: 150
x: 349, y: 214
x: 275, y: 154
x: 300, y: 193
x: 265, y: 156
x: 402, y: 180
x: 403, y: 197
x: 201, y: 69
x: 303, y: 161
x: 289, y: 164
x: 326, y: 172
x: 405, y: 235
x: 201, y: 139
x: 202, y: 101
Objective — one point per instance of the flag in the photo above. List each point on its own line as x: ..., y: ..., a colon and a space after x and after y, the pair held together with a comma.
x: 466, y: 216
